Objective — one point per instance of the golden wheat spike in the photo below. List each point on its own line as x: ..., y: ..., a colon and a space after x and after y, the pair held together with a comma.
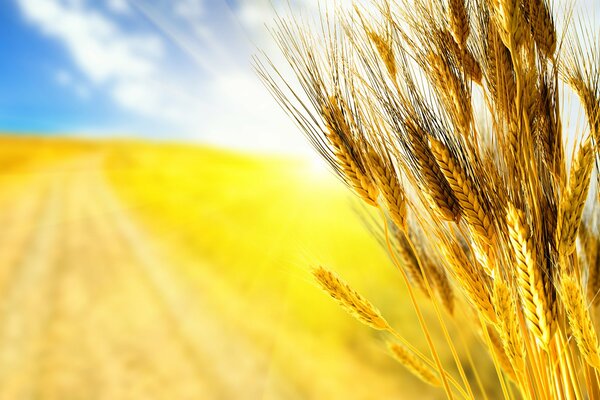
x: 464, y: 190
x: 441, y: 284
x: 385, y: 50
x: 453, y: 92
x: 542, y: 26
x: 530, y: 280
x: 470, y: 279
x: 350, y: 300
x: 581, y: 324
x: 463, y: 55
x: 510, y: 22
x: 459, y: 21
x: 437, y: 191
x: 499, y: 74
x: 590, y: 99
x: 593, y: 283
x: 508, y: 324
x: 500, y: 354
x: 340, y: 137
x: 573, y: 200
x: 409, y: 261
x: 591, y: 257
x: 389, y: 186
x: 405, y: 357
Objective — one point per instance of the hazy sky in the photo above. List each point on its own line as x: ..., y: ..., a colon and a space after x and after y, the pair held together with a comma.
x: 160, y: 68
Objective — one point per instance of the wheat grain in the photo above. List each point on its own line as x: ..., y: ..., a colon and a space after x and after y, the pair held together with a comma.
x: 591, y: 256
x: 410, y: 263
x: 386, y: 51
x: 453, y: 92
x: 462, y: 55
x: 542, y: 26
x: 442, y: 285
x: 500, y: 354
x: 509, y: 19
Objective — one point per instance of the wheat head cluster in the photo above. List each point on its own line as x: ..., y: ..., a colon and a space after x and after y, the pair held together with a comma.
x: 454, y: 119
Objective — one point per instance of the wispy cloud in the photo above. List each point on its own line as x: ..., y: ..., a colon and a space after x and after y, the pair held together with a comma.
x: 220, y: 100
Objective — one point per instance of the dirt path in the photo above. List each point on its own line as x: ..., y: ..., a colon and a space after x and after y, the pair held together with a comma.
x: 89, y: 309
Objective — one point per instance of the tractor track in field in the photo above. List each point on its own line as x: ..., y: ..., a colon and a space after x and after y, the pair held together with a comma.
x: 89, y: 309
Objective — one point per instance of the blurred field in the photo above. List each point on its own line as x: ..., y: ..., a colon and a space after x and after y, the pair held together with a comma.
x: 144, y: 271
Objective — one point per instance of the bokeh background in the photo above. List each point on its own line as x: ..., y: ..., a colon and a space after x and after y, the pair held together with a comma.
x: 159, y: 216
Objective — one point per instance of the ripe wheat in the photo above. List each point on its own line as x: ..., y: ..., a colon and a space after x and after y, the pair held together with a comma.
x: 446, y: 116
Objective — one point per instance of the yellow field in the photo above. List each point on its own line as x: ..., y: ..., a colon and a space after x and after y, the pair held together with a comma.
x: 237, y: 236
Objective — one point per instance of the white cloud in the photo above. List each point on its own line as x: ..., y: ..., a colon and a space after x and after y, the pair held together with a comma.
x: 97, y: 45
x: 124, y: 63
x: 119, y: 6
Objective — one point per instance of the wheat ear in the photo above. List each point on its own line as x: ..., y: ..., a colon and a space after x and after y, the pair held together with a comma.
x: 390, y: 188
x: 542, y: 27
x: 466, y: 59
x: 508, y: 324
x: 500, y: 354
x: 530, y: 282
x: 573, y: 200
x: 464, y: 190
x: 592, y: 253
x: 350, y: 300
x: 471, y: 279
x: 410, y: 262
x: 436, y: 189
x: 509, y: 20
x: 459, y: 21
x: 441, y: 283
x: 413, y: 364
x: 453, y: 92
x: 579, y: 320
x: 385, y: 51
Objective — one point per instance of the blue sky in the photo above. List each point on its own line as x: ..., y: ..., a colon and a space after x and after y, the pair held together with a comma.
x: 176, y: 69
